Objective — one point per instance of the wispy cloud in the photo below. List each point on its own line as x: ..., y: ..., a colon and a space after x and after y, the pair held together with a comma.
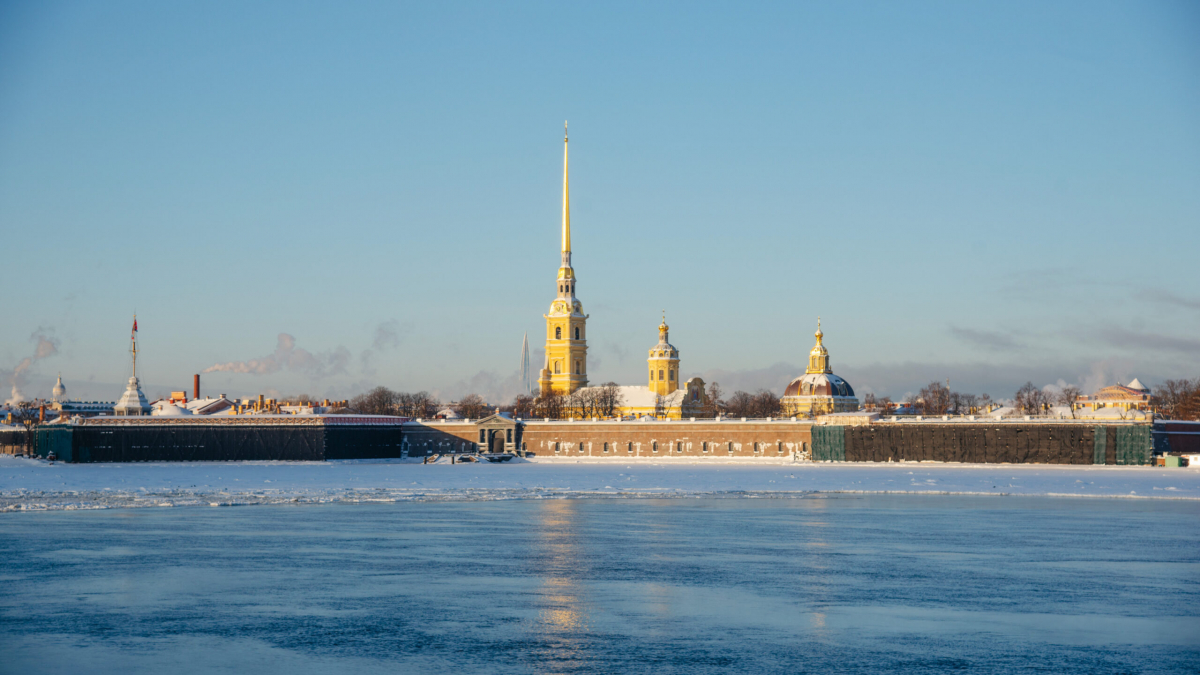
x: 1169, y: 298
x: 992, y: 340
x: 1128, y: 339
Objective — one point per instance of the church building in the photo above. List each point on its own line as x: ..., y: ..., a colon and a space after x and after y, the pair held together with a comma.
x: 565, y: 370
x: 818, y: 391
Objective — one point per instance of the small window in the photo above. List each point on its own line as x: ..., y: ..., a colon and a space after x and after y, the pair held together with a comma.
x: 671, y: 375
x: 660, y: 375
x: 558, y: 332
x: 606, y: 446
x: 704, y: 446
x: 629, y: 447
x: 557, y: 367
x: 508, y: 435
x: 581, y: 446
x: 482, y: 437
x: 679, y: 447
x: 654, y: 446
x: 556, y: 447
x: 730, y: 444
x: 651, y: 375
x: 578, y: 368
x: 577, y: 332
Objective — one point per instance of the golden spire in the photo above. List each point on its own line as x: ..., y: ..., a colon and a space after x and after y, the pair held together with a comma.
x: 566, y: 233
x: 819, y: 334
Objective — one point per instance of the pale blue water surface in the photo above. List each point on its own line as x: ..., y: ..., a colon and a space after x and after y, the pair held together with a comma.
x: 869, y: 584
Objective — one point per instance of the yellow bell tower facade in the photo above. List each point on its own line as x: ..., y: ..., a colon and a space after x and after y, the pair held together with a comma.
x: 565, y: 370
x: 663, y: 363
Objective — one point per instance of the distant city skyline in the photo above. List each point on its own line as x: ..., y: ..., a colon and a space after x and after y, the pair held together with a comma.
x: 323, y: 199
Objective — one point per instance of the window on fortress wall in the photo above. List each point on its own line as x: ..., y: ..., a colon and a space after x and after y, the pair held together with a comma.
x: 629, y: 447
x: 605, y: 446
x: 730, y: 444
x: 654, y: 446
x: 779, y: 446
x: 581, y: 446
x: 679, y: 447
x: 558, y: 332
x: 555, y: 447
x: 577, y: 332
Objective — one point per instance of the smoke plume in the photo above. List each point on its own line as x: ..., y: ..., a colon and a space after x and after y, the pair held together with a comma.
x: 287, y: 356
x: 47, y: 346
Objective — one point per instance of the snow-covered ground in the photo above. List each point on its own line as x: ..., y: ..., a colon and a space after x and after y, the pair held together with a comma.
x: 36, y: 485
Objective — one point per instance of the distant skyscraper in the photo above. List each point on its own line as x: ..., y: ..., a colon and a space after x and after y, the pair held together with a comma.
x: 525, y: 384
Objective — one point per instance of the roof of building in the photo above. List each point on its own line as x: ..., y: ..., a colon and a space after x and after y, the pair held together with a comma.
x: 819, y: 384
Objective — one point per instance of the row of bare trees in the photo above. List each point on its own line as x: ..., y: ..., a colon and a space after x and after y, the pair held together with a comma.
x: 601, y: 401
x: 1178, y: 399
x: 384, y: 401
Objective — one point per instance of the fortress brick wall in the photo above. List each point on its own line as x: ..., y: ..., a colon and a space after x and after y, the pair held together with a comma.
x: 701, y: 438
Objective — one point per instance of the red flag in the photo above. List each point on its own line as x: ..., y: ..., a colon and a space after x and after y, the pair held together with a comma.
x: 133, y: 334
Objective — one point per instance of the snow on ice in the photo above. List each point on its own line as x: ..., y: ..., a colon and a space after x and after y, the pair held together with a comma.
x: 36, y: 485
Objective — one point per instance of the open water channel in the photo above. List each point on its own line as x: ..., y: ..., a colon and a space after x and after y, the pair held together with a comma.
x: 870, y: 584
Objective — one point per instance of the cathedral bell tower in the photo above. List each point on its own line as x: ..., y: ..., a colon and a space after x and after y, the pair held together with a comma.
x: 565, y: 370
x: 663, y: 363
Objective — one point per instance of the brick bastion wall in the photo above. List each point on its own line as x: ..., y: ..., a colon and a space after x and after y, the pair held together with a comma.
x: 663, y: 438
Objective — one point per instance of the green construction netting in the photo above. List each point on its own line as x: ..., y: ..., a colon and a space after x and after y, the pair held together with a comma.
x: 1100, y: 445
x: 1133, y: 445
x: 56, y: 440
x: 829, y: 443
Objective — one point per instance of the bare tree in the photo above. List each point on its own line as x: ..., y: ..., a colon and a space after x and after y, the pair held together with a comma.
x: 765, y: 404
x: 27, y: 414
x: 935, y: 399
x: 715, y: 402
x: 522, y: 406
x: 984, y: 401
x: 885, y: 405
x: 1030, y: 400
x: 608, y: 399
x: 660, y: 405
x: 472, y: 406
x: 378, y: 401
x: 1189, y: 408
x: 549, y: 405
x: 740, y: 404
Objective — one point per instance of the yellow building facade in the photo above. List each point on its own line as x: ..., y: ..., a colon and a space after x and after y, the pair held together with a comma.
x: 565, y: 369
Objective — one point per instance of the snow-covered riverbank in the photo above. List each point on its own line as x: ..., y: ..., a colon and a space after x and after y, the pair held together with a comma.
x: 37, y: 485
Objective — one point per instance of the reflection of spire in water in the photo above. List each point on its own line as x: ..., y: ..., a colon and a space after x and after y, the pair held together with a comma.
x: 562, y: 614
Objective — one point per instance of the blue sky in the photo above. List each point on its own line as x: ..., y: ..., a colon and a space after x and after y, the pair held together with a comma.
x: 990, y: 193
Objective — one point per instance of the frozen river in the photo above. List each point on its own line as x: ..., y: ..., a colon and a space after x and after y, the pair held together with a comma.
x: 819, y: 583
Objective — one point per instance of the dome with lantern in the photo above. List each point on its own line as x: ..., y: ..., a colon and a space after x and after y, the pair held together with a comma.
x: 818, y: 391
